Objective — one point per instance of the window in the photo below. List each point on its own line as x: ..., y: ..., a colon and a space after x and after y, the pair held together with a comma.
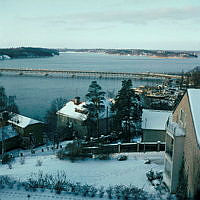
x: 167, y: 168
x: 182, y: 118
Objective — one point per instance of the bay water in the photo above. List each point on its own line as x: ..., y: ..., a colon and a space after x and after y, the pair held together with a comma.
x: 34, y: 94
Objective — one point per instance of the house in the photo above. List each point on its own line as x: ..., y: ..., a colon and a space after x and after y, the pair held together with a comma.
x: 153, y: 125
x: 10, y: 138
x: 75, y: 115
x: 182, y: 155
x: 30, y: 130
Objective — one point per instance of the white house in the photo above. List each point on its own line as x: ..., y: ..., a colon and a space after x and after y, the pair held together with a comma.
x: 75, y: 114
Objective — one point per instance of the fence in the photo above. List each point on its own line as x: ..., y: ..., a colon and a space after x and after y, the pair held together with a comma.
x: 127, y: 147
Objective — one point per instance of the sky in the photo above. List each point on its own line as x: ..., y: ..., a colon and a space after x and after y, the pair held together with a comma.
x: 147, y: 24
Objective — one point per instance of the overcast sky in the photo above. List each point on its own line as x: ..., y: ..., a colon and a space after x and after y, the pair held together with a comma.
x: 149, y: 24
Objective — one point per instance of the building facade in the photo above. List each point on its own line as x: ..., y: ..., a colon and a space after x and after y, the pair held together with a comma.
x: 183, y: 145
x: 75, y: 115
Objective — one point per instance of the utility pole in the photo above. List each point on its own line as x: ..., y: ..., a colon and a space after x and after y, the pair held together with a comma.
x: 107, y: 120
x: 2, y: 134
x: 2, y: 144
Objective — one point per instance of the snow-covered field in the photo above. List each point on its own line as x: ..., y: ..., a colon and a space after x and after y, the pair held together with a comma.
x: 91, y: 171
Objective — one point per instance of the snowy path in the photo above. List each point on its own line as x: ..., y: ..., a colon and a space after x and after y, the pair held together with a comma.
x: 23, y: 195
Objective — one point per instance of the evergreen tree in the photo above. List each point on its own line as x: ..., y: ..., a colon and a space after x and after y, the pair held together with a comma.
x: 94, y: 105
x: 128, y: 110
x: 7, y: 102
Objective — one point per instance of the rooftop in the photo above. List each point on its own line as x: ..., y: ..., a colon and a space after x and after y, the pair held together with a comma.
x: 73, y: 110
x: 194, y: 96
x: 22, y: 121
x: 154, y: 119
x: 77, y: 111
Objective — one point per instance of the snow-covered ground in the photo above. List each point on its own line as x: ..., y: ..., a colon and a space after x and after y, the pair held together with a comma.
x: 12, y: 194
x: 94, y: 172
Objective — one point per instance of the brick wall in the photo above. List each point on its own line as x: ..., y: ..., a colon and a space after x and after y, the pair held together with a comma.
x: 191, y: 148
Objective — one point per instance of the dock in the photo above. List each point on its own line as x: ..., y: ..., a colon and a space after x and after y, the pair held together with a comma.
x: 96, y: 74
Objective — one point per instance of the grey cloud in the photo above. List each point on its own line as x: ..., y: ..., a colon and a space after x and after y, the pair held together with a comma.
x: 126, y: 17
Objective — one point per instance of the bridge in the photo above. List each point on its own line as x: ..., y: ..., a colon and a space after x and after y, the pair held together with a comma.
x: 79, y: 73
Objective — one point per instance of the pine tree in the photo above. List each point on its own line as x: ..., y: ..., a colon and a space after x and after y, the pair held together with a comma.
x: 7, y: 102
x: 94, y: 104
x: 128, y: 109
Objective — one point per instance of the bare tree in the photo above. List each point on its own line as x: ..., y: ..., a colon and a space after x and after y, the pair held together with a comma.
x: 53, y: 133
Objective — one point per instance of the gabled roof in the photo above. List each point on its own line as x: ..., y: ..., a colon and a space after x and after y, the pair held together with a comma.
x: 23, y: 121
x: 8, y: 132
x: 78, y: 112
x: 72, y: 110
x: 154, y: 119
x: 194, y: 101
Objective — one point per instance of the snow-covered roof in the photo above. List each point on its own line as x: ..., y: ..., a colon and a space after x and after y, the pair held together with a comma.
x: 79, y: 112
x: 8, y: 132
x: 194, y: 96
x: 155, y: 119
x: 22, y: 121
x: 74, y: 111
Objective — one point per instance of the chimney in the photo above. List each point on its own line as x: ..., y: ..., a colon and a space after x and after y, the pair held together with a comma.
x: 77, y: 100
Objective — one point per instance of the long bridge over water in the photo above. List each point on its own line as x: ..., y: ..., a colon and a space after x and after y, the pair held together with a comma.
x: 79, y: 73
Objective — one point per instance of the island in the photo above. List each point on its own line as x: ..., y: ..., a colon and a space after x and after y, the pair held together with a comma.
x: 137, y: 52
x: 26, y: 52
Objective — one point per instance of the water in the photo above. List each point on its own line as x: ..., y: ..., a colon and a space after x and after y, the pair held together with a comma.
x: 101, y: 62
x: 35, y: 94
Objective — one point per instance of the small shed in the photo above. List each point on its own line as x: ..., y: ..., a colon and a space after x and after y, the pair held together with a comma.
x: 153, y: 125
x: 29, y: 129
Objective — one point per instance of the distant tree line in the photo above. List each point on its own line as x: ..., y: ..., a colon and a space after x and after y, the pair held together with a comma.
x: 28, y: 52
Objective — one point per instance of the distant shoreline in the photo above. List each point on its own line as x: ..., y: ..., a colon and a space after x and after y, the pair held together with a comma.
x: 170, y: 57
x: 161, y: 57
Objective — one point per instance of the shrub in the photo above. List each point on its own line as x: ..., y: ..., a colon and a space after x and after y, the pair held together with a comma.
x: 7, y: 158
x: 117, y: 191
x: 19, y: 185
x: 109, y: 192
x: 122, y: 157
x: 73, y: 151
x: 101, y: 192
x: 10, y: 165
x: 93, y: 191
x: 85, y: 190
x: 39, y: 163
x: 103, y: 156
x: 58, y: 187
x: 60, y: 183
x: 33, y: 151
x: 62, y: 154
x: 22, y: 160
